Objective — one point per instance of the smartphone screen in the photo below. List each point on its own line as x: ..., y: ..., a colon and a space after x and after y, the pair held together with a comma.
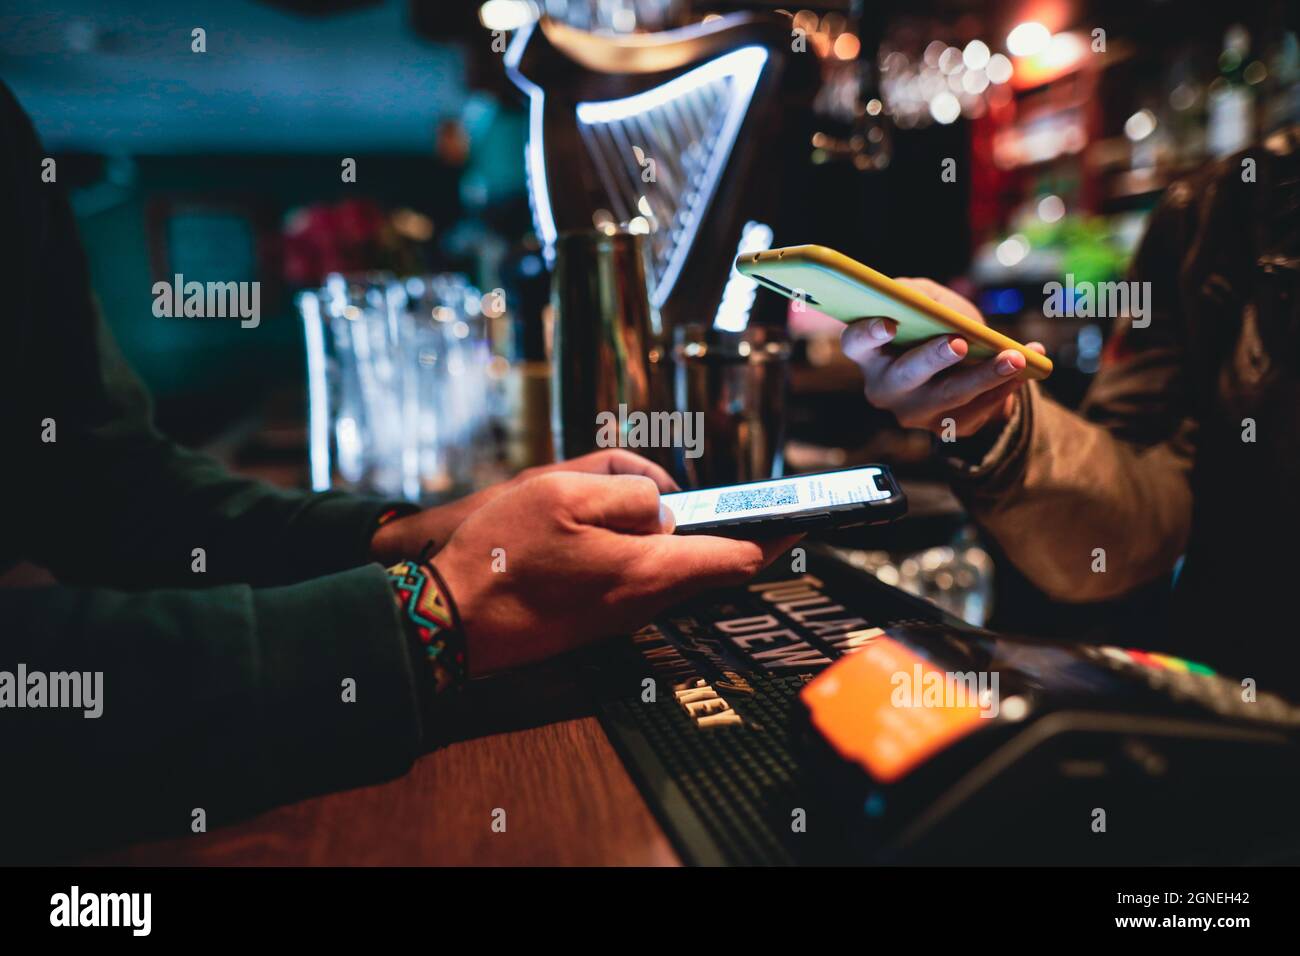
x: 778, y: 496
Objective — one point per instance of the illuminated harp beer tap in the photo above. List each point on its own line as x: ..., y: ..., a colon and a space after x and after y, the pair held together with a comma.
x: 681, y: 135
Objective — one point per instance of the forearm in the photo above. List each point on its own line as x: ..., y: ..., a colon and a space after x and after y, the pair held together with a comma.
x: 114, y: 503
x: 1065, y: 498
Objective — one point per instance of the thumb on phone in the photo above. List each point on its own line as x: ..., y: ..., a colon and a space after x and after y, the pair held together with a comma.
x: 626, y: 503
x: 696, y: 563
x: 864, y: 339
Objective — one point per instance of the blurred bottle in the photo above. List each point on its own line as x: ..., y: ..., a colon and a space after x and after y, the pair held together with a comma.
x: 1283, y: 106
x: 1187, y: 119
x: 1231, y: 98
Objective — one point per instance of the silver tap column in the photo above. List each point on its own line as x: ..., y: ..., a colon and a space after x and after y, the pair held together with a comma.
x: 608, y: 353
x: 736, y: 383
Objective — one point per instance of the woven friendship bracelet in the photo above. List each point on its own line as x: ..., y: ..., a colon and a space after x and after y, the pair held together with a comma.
x: 429, y: 614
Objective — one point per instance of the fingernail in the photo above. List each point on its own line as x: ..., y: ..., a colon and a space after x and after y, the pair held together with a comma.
x: 667, y: 520
x: 947, y: 351
x: 1006, y: 366
x: 879, y: 330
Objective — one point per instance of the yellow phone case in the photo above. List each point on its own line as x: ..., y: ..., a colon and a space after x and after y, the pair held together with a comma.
x: 844, y: 288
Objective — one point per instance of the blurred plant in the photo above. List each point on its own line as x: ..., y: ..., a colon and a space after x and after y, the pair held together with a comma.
x: 352, y: 236
x: 1089, y: 248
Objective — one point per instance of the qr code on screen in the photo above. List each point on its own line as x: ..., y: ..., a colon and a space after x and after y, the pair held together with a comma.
x: 730, y: 501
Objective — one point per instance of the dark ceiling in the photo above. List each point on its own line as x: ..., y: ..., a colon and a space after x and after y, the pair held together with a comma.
x: 118, y: 76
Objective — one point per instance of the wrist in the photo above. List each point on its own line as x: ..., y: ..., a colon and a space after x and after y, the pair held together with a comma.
x: 421, y: 534
x: 388, y: 540
x: 981, y: 453
x: 432, y: 622
x: 467, y: 593
x: 385, y: 543
x: 415, y: 535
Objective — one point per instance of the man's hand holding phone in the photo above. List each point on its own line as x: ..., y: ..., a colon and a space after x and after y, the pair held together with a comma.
x: 921, y: 386
x: 563, y: 559
x: 431, y: 528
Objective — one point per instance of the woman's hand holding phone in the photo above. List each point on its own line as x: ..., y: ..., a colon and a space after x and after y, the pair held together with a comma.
x: 921, y: 386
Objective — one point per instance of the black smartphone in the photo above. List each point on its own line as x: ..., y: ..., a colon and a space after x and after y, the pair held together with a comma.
x: 777, y: 506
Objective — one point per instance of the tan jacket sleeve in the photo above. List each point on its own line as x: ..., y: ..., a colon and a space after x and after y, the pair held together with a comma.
x: 1061, y: 491
x: 1068, y: 487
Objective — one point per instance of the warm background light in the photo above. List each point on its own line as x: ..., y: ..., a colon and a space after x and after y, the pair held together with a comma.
x: 1028, y: 39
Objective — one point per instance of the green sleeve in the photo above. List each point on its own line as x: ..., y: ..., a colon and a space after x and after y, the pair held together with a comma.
x: 111, y: 501
x: 226, y: 700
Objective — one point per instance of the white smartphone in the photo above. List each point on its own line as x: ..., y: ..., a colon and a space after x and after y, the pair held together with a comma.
x: 777, y: 506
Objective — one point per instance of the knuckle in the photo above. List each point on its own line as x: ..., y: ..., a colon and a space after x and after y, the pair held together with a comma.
x: 645, y: 492
x: 948, y: 391
x: 746, y: 563
x: 554, y: 486
x: 881, y: 391
x: 908, y: 376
